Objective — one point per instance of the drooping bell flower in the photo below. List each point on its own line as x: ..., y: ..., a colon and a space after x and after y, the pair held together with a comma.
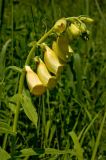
x: 62, y: 49
x: 84, y: 31
x: 46, y: 78
x: 36, y: 87
x: 52, y: 62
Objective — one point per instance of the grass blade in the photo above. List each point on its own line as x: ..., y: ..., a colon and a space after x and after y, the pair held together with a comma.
x: 2, y: 59
x: 89, y: 126
x: 98, y: 138
x: 77, y: 146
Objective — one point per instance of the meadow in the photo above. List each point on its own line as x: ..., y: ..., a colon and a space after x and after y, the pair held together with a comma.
x: 67, y: 122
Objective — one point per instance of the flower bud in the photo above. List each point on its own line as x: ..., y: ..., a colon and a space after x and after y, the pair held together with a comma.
x: 74, y: 30
x: 45, y: 77
x: 83, y: 27
x: 60, y: 26
x: 86, y: 19
x: 35, y: 85
x: 52, y: 62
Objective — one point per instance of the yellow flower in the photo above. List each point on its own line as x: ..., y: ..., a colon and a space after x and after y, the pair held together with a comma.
x: 46, y: 78
x: 35, y: 85
x: 52, y: 62
x: 62, y: 49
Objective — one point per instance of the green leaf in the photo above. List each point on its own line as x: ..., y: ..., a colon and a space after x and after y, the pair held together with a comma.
x: 47, y: 128
x: 57, y: 151
x: 4, y: 155
x: 5, y: 128
x: 28, y: 152
x: 52, y: 132
x: 7, y: 131
x: 38, y: 151
x: 13, y: 102
x: 29, y: 108
x: 77, y: 146
x: 5, y: 125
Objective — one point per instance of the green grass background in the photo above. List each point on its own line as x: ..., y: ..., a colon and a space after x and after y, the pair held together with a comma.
x: 71, y: 116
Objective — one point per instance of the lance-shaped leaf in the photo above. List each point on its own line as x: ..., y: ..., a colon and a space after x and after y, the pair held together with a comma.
x: 29, y: 108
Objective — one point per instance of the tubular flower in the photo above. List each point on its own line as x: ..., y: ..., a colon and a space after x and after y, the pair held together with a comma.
x: 62, y: 48
x: 46, y: 78
x: 52, y: 62
x: 60, y: 25
x: 35, y: 85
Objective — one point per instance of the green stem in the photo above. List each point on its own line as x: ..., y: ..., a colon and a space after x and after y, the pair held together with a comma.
x: 12, y: 29
x: 5, y: 141
x: 45, y: 35
x: 21, y: 82
x: 87, y: 7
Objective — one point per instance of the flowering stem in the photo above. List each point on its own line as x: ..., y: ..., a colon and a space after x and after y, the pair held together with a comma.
x: 22, y: 77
